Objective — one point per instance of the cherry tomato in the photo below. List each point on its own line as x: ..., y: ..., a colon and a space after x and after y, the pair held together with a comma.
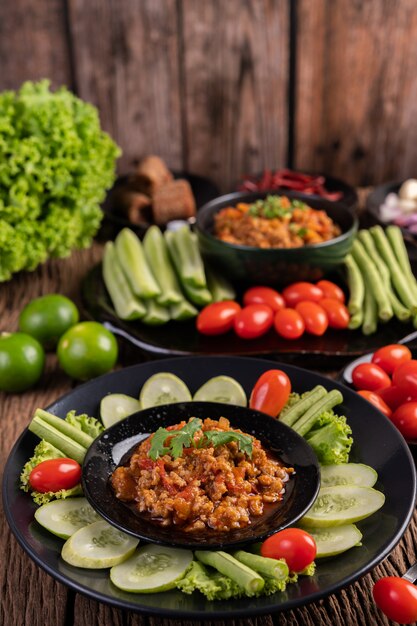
x: 337, y: 313
x: 289, y: 323
x: 55, y: 474
x: 376, y: 400
x: 394, y: 396
x: 405, y: 376
x: 217, y: 318
x: 314, y: 316
x: 264, y: 295
x: 253, y: 321
x: 405, y: 419
x: 331, y: 290
x: 296, y: 546
x: 391, y: 356
x: 271, y: 392
x: 397, y: 598
x: 301, y: 292
x: 370, y: 376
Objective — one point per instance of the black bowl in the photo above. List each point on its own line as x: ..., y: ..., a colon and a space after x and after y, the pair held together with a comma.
x: 275, y: 266
x: 116, y: 445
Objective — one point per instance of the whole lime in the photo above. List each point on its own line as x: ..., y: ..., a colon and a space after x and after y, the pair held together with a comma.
x: 87, y: 350
x: 22, y: 360
x: 48, y: 317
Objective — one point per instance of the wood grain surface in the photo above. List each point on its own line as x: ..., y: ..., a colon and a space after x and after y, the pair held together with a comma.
x: 30, y: 597
x: 227, y: 88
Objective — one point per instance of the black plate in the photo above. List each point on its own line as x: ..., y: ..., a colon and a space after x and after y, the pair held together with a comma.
x: 182, y: 338
x: 376, y: 443
x: 203, y: 189
x: 109, y: 450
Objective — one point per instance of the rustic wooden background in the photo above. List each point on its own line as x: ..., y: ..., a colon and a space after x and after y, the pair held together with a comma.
x: 224, y: 87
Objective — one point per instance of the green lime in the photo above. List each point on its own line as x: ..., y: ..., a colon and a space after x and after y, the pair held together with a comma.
x: 22, y: 360
x: 48, y: 317
x: 87, y: 350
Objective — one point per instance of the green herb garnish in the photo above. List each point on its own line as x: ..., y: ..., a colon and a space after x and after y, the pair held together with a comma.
x: 184, y: 438
x: 272, y: 207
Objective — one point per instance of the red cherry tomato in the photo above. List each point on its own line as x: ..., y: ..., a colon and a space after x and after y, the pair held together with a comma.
x: 55, y: 474
x: 271, y: 392
x: 253, y: 321
x: 217, y: 318
x: 405, y: 419
x: 289, y: 323
x: 296, y: 546
x: 301, y: 292
x: 376, y: 400
x: 264, y: 295
x: 370, y: 376
x: 331, y: 290
x: 337, y: 313
x: 397, y: 598
x: 391, y: 356
x: 314, y: 316
x: 405, y: 376
x: 393, y: 396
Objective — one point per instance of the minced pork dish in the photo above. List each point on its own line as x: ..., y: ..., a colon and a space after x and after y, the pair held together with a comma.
x: 201, y: 475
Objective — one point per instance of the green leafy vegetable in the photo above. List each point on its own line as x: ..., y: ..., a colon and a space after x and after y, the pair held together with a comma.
x: 212, y: 584
x: 330, y: 438
x: 185, y: 437
x: 55, y: 166
x: 89, y: 425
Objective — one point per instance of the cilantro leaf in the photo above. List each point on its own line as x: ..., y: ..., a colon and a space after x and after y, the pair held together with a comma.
x: 220, y: 437
x: 184, y: 437
x: 157, y: 448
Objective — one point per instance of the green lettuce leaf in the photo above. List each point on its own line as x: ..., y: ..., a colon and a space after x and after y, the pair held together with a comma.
x: 89, y: 425
x: 331, y: 438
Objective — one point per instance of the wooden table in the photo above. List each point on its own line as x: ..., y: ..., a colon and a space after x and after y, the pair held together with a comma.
x: 30, y: 597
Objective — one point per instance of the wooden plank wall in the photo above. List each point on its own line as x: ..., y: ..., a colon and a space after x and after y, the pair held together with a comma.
x: 224, y: 87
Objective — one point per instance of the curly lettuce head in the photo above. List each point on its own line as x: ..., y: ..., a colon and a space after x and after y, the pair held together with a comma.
x: 56, y: 164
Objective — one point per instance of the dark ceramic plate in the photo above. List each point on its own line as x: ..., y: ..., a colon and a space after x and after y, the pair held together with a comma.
x: 182, y: 338
x: 109, y: 450
x: 203, y: 189
x: 376, y: 443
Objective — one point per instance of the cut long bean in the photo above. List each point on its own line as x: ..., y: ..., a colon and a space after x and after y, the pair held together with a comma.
x: 198, y: 295
x: 356, y: 286
x: 400, y: 311
x: 396, y: 240
x: 190, y: 264
x: 307, y: 421
x: 370, y: 314
x: 397, y: 276
x: 62, y: 442
x: 220, y: 288
x: 356, y: 320
x: 126, y: 304
x: 271, y: 568
x: 373, y: 281
x: 183, y: 310
x: 226, y: 564
x: 299, y: 408
x: 155, y: 314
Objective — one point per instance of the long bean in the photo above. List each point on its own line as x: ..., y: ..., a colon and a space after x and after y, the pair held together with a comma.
x: 400, y: 311
x: 370, y: 314
x: 226, y: 564
x: 373, y: 281
x: 355, y: 284
x: 307, y: 421
x: 396, y: 240
x: 271, y: 568
x: 191, y: 268
x: 399, y: 280
x: 156, y: 314
x: 299, y: 408
x: 356, y: 320
x: 198, y: 295
x: 132, y: 259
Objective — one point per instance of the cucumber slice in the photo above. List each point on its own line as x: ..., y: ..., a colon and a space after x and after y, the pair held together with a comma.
x: 151, y: 569
x: 117, y: 406
x: 98, y: 546
x: 339, y: 505
x: 64, y: 517
x: 163, y: 388
x: 348, y: 474
x: 222, y: 389
x: 332, y: 541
